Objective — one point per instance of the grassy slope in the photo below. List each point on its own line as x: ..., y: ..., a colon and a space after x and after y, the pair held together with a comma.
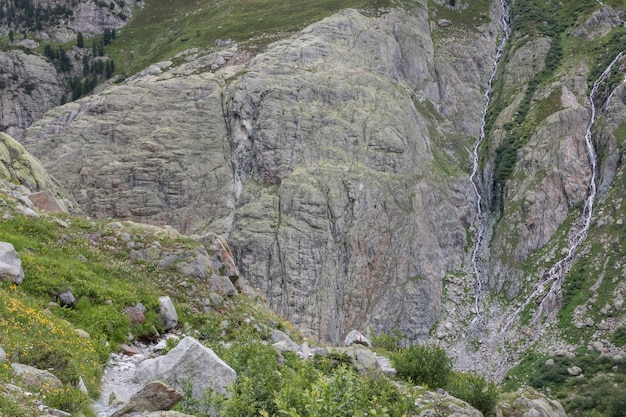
x: 163, y: 28
x: 87, y: 258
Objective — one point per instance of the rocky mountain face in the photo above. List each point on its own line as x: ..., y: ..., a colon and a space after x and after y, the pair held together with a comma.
x: 336, y: 163
x: 31, y: 84
x: 61, y: 20
x: 323, y: 162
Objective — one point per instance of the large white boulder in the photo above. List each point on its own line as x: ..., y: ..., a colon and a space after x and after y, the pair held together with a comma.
x: 10, y: 264
x: 189, y: 364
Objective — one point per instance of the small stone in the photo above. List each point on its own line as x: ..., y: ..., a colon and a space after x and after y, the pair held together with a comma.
x: 597, y: 346
x: 549, y: 362
x: 113, y: 400
x: 62, y: 223
x: 444, y: 23
x: 128, y: 350
x: 82, y: 334
x: 3, y: 355
x: 574, y: 371
x: 81, y: 385
x: 136, y: 313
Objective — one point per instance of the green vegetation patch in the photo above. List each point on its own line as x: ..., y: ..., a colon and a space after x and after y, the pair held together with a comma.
x: 162, y: 28
x: 475, y: 14
x: 598, y: 391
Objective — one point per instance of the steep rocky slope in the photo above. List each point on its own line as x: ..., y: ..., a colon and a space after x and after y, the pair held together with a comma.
x: 337, y: 164
x: 31, y: 84
x: 333, y: 161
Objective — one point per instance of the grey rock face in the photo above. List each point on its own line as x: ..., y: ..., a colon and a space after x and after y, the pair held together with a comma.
x: 134, y: 160
x: 30, y: 86
x: 332, y: 165
x: 189, y: 362
x: 339, y: 219
x: 10, y: 264
x: 89, y: 17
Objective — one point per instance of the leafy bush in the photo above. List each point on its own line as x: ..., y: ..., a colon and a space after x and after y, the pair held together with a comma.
x: 421, y: 364
x: 617, y: 406
x: 391, y: 342
x: 476, y: 390
x: 619, y: 336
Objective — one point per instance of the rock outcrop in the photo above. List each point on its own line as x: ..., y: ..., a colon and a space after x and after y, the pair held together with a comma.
x: 322, y: 164
x: 29, y: 86
x: 21, y: 174
x: 60, y: 20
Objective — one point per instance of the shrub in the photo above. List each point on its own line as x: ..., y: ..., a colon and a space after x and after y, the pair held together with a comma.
x: 619, y: 336
x: 617, y: 406
x: 390, y: 342
x: 421, y: 364
x: 474, y: 389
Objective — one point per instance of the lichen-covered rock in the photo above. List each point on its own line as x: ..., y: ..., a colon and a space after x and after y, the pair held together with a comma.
x: 154, y: 396
x: 531, y: 403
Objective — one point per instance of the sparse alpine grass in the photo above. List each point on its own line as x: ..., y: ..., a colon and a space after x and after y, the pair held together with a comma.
x: 159, y: 31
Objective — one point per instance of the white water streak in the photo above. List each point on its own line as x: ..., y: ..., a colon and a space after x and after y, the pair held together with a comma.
x: 557, y: 272
x: 480, y: 225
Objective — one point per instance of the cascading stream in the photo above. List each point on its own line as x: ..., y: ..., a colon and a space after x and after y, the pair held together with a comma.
x: 480, y: 223
x: 557, y: 272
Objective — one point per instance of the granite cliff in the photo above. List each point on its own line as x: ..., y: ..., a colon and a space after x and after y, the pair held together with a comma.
x: 336, y: 163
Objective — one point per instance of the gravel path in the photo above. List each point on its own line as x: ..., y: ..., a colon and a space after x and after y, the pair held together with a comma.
x: 117, y: 383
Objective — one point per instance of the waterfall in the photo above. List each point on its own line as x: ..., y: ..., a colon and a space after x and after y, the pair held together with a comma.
x: 556, y: 273
x: 480, y: 223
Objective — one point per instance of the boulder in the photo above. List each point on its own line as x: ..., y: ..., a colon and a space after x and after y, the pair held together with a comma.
x: 36, y: 377
x: 67, y: 299
x: 535, y: 404
x: 223, y: 285
x: 367, y: 361
x: 167, y: 312
x: 574, y: 371
x: 10, y: 264
x: 45, y: 200
x: 3, y: 355
x: 136, y: 313
x: 356, y: 337
x: 189, y: 363
x: 154, y: 396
